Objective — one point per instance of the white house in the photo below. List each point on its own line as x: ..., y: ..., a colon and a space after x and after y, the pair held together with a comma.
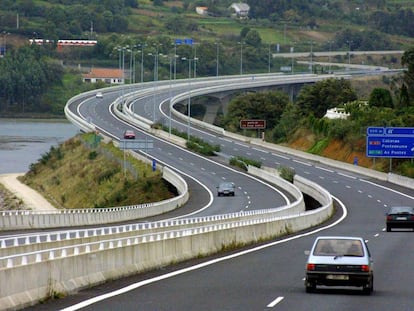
x: 202, y: 10
x: 241, y: 10
x: 336, y: 113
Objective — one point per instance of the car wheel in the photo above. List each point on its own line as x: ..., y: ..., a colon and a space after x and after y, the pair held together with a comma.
x: 310, y: 287
x: 219, y: 194
x: 388, y: 228
x: 369, y: 288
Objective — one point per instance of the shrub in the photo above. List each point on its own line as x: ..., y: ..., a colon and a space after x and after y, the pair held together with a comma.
x: 287, y: 173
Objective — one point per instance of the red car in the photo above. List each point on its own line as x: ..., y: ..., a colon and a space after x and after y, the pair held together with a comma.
x: 129, y: 134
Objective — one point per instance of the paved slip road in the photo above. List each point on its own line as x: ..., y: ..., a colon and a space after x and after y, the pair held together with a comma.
x: 270, y: 276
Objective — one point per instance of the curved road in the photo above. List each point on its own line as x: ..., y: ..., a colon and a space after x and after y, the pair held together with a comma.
x: 269, y: 276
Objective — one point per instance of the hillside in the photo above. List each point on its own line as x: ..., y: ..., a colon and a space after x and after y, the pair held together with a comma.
x: 81, y: 174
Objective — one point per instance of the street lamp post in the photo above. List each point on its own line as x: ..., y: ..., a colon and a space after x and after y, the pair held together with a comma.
x: 169, y: 93
x: 349, y: 53
x: 189, y: 97
x: 142, y: 62
x: 330, y: 51
x: 311, y: 57
x: 155, y: 82
x: 268, y: 69
x: 121, y: 55
x: 241, y: 57
x: 217, y: 59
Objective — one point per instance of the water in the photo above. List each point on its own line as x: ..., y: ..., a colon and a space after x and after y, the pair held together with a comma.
x: 24, y: 141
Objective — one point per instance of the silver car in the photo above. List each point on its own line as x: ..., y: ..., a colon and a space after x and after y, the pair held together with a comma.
x: 339, y: 261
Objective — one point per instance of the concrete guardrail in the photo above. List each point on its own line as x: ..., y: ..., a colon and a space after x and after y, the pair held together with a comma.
x: 29, y: 277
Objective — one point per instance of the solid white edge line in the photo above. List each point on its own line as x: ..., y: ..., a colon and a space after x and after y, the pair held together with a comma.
x: 386, y: 188
x: 201, y: 265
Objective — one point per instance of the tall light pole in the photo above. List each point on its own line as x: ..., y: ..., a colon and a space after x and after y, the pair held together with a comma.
x: 268, y: 69
x: 131, y: 56
x: 241, y: 57
x: 189, y: 97
x: 155, y: 81
x: 311, y: 57
x: 142, y: 62
x: 292, y: 49
x: 195, y: 58
x: 330, y: 51
x: 217, y: 59
x: 169, y: 93
x: 349, y: 53
x: 121, y: 51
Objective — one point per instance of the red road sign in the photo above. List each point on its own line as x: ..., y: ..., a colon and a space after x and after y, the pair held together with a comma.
x: 253, y: 124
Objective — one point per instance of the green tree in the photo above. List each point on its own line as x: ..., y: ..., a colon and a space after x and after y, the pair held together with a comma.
x: 253, y: 38
x: 317, y: 98
x: 267, y: 106
x: 380, y: 97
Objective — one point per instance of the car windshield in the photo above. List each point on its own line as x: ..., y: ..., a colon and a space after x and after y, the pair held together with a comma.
x: 226, y: 185
x: 339, y: 247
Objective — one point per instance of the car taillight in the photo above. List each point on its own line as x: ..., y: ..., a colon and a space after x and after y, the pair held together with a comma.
x: 310, y: 266
x: 365, y: 268
x: 389, y: 217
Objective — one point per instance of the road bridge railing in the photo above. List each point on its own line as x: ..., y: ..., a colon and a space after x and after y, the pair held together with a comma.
x: 28, y: 219
x: 66, y: 269
x: 41, y: 241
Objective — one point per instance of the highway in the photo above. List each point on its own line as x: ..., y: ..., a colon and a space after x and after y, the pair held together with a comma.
x: 268, y: 276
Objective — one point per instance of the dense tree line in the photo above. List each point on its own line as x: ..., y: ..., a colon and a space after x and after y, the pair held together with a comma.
x: 71, y: 20
x: 25, y: 75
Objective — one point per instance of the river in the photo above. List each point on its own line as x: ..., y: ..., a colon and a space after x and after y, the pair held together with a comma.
x: 24, y: 141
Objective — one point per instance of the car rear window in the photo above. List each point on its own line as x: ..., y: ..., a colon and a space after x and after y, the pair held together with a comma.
x: 401, y: 210
x: 338, y: 247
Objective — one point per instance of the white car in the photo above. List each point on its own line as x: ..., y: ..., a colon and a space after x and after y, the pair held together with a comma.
x: 340, y: 261
x: 99, y: 95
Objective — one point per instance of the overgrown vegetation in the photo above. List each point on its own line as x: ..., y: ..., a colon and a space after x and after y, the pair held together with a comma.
x: 195, y: 144
x: 78, y: 175
x: 243, y: 162
x: 8, y: 201
x: 287, y: 173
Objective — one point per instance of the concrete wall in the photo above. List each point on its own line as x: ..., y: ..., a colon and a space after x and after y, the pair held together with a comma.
x: 29, y: 277
x: 20, y: 219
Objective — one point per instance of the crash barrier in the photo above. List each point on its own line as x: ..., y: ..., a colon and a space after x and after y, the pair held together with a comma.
x: 27, y: 219
x: 37, y: 241
x: 29, y: 277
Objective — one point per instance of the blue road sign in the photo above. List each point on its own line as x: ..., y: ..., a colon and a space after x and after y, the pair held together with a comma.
x: 399, y: 131
x: 390, y: 142
x: 178, y: 41
x: 386, y: 146
x: 375, y: 131
x: 188, y: 41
